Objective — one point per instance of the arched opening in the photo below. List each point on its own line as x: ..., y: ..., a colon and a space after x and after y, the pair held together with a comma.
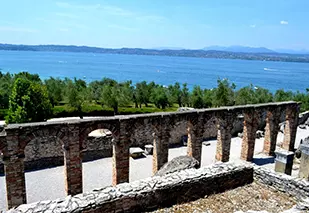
x: 141, y: 161
x: 97, y: 152
x: 43, y: 162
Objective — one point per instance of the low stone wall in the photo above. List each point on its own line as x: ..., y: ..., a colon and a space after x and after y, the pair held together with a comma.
x: 151, y: 193
x: 296, y: 187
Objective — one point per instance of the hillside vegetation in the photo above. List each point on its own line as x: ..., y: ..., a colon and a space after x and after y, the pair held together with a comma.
x: 25, y: 97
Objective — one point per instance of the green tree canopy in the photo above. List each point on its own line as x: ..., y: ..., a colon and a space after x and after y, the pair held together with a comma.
x: 115, y: 95
x: 224, y: 93
x: 6, y: 84
x: 197, y: 97
x: 28, y: 102
x: 143, y: 93
x: 160, y: 97
x: 77, y: 94
x: 56, y: 89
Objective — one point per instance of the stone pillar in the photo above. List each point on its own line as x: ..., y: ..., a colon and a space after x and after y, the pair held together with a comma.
x: 224, y: 125
x: 15, y: 181
x: 251, y: 122
x: 195, y: 137
x: 271, y: 131
x: 121, y: 154
x: 291, y: 122
x: 304, y: 162
x: 73, y: 161
x: 160, y: 144
x: 284, y: 161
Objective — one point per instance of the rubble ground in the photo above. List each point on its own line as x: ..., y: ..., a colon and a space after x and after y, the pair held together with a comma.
x: 254, y: 196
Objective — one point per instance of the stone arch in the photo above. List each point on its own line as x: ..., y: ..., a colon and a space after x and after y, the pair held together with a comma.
x: 140, y: 131
x: 88, y: 127
x: 42, y: 146
x: 48, y: 131
x: 95, y: 148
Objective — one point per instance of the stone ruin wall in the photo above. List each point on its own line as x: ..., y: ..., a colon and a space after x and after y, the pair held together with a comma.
x: 47, y: 152
x: 73, y: 136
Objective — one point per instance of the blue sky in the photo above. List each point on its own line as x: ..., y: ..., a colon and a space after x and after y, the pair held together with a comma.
x: 157, y: 23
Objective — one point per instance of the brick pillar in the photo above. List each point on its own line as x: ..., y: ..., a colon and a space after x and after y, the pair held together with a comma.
x: 72, y: 162
x: 15, y: 181
x: 251, y: 122
x: 160, y: 144
x: 271, y: 131
x: 121, y: 155
x: 224, y: 125
x: 195, y: 137
x: 291, y: 122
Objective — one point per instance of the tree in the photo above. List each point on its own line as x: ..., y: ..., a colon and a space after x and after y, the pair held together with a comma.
x: 176, y: 94
x: 30, y: 77
x: 6, y: 82
x: 77, y: 94
x: 197, y: 97
x: 159, y: 97
x: 224, y: 93
x: 28, y: 102
x: 185, y: 95
x: 55, y: 88
x: 115, y: 95
x: 142, y: 93
x: 281, y: 95
x: 246, y: 95
x: 263, y: 95
x: 208, y: 97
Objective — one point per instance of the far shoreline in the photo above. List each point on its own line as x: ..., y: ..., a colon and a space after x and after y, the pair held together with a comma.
x: 187, y: 53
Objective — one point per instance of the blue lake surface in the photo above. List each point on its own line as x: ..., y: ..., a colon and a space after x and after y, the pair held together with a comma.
x: 161, y: 69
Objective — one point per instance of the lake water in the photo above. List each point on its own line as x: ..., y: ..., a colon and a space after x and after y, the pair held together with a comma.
x: 161, y: 69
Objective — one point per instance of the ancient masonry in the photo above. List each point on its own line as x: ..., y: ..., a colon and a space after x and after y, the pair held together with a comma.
x: 73, y: 134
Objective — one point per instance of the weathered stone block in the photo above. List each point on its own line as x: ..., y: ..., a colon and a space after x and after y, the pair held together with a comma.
x: 284, y: 161
x: 304, y: 161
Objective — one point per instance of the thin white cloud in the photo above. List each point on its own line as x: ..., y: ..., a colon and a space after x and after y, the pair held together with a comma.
x: 252, y: 25
x: 112, y: 10
x: 67, y: 15
x: 63, y: 23
x: 120, y: 27
x: 17, y: 29
x: 284, y: 22
x: 109, y: 9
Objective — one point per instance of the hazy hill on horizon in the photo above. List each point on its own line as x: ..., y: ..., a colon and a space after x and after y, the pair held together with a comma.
x: 234, y: 52
x: 240, y: 49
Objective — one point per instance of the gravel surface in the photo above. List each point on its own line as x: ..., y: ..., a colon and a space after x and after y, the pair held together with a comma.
x: 49, y: 183
x: 251, y: 197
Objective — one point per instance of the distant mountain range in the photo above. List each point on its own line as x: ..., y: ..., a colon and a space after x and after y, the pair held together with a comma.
x: 240, y: 49
x: 233, y: 52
